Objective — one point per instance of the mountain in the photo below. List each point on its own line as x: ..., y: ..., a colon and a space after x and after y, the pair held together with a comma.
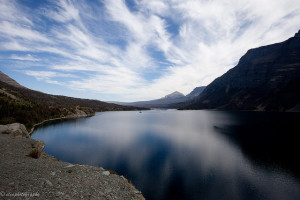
x: 265, y: 79
x: 196, y: 92
x: 174, y: 95
x: 6, y: 79
x: 164, y: 102
x: 173, y: 100
x: 20, y: 104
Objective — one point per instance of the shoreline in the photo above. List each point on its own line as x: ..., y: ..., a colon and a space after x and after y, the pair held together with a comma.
x: 58, y: 118
x: 47, y: 177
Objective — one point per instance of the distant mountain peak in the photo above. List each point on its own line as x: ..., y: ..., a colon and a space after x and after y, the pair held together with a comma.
x: 174, y: 95
x: 6, y: 79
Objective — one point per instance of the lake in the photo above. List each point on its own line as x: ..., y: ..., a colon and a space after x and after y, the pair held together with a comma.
x: 170, y: 154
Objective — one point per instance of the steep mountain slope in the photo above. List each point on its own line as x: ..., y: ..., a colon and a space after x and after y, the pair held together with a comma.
x: 196, y: 92
x: 20, y: 104
x: 266, y: 78
x: 6, y: 79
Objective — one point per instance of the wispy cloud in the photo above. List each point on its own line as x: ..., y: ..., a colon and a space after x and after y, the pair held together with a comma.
x: 48, y: 76
x: 17, y: 31
x: 27, y: 57
x: 140, y: 51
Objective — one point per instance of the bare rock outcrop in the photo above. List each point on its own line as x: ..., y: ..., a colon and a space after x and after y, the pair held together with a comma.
x: 15, y: 129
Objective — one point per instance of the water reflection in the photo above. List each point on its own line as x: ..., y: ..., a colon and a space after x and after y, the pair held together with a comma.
x: 179, y: 154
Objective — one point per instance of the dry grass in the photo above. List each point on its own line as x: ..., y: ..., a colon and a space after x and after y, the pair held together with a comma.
x: 6, y: 132
x: 35, y: 153
x: 142, y: 198
x: 131, y: 186
x: 112, y: 171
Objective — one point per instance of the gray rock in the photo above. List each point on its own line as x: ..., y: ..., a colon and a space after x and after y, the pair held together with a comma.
x: 106, y: 173
x: 107, y: 190
x: 48, y: 183
x: 57, y: 194
x: 137, y: 192
x: 40, y: 145
x: 69, y: 166
x: 15, y: 129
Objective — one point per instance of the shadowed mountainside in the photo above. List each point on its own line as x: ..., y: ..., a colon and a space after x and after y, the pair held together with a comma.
x: 266, y: 79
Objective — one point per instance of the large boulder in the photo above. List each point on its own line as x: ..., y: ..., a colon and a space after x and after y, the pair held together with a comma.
x: 15, y: 129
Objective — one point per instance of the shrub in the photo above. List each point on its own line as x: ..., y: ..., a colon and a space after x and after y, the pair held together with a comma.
x: 6, y: 132
x: 112, y: 171
x: 35, y: 153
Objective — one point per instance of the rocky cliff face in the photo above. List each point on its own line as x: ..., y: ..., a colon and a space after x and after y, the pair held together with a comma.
x: 266, y: 78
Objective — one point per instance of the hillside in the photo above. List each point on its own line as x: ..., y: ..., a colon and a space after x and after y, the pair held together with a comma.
x: 266, y: 79
x: 20, y: 104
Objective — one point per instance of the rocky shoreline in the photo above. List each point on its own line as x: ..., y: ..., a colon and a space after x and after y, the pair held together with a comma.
x: 78, y: 114
x: 29, y: 173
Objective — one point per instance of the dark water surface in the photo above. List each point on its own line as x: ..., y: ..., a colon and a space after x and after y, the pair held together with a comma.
x: 170, y: 154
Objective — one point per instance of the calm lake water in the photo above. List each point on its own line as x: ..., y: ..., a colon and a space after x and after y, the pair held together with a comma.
x: 170, y: 154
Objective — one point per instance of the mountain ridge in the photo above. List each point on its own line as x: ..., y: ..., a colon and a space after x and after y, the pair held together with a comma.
x: 173, y: 100
x: 173, y: 95
x: 6, y: 79
x: 266, y: 78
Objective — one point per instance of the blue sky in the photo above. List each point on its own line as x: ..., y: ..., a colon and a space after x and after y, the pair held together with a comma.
x: 134, y: 50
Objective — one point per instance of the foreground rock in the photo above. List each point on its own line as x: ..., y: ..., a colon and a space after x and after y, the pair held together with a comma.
x: 15, y: 129
x: 25, y: 177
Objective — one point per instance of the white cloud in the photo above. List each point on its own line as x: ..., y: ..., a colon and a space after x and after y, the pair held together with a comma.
x: 10, y: 11
x: 158, y: 47
x: 63, y: 11
x: 28, y: 57
x: 21, y: 32
x: 48, y: 76
x: 13, y: 45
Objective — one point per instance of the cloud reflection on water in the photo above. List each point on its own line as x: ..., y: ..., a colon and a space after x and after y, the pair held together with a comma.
x: 169, y: 154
